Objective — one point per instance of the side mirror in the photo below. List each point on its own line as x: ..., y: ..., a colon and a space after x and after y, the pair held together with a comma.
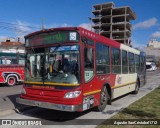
x: 84, y: 39
x: 88, y: 53
x: 85, y: 53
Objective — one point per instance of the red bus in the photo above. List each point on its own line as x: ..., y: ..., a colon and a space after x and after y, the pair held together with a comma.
x: 11, y: 68
x: 74, y: 69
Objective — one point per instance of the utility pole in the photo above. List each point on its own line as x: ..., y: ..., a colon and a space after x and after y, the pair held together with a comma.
x: 42, y: 23
x: 90, y: 22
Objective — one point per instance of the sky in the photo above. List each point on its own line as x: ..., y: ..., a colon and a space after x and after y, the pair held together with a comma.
x: 20, y: 17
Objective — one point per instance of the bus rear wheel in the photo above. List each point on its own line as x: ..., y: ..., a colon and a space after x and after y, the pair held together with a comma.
x: 103, y: 99
x: 11, y: 81
x: 136, y: 88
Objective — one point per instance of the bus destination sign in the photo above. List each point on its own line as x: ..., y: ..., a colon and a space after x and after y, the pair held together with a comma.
x: 52, y: 38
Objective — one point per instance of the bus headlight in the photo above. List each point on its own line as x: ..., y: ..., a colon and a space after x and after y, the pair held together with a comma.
x: 72, y: 94
x: 23, y: 91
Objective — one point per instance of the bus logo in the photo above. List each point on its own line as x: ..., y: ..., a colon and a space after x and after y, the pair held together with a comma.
x: 119, y: 80
x: 41, y: 93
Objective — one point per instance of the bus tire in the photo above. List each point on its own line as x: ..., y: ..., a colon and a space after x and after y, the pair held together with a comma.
x: 136, y: 88
x: 11, y: 81
x: 103, y: 99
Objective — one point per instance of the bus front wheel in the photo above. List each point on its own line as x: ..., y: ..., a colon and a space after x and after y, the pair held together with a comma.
x: 103, y: 99
x: 11, y: 81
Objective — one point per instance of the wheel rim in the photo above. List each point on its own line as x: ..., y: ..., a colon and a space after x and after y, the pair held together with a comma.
x: 11, y: 81
x: 137, y: 86
x: 103, y: 96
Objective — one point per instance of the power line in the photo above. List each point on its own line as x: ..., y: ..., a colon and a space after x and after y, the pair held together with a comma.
x: 12, y: 28
x: 16, y: 27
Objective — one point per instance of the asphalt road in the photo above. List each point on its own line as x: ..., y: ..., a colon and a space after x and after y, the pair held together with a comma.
x: 76, y: 119
x: 6, y: 90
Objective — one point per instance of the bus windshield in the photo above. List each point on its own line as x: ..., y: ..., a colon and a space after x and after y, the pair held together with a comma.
x: 59, y: 64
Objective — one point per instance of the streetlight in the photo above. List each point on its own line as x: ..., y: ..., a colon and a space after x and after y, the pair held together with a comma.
x: 90, y: 22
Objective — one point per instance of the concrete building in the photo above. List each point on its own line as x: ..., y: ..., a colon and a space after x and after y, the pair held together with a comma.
x: 113, y: 22
x: 154, y: 43
x: 153, y: 50
x: 11, y: 46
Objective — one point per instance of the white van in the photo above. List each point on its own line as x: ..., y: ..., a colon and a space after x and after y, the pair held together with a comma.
x: 151, y: 66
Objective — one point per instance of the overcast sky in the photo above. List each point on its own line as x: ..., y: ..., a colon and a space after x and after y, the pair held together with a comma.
x: 19, y: 17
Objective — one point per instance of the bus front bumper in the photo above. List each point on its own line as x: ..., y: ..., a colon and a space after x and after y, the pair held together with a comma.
x: 61, y: 107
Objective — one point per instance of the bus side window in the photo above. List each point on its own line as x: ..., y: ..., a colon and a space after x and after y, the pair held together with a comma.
x: 102, y: 59
x: 131, y: 63
x: 137, y: 63
x: 124, y: 62
x: 116, y: 61
x: 142, y: 63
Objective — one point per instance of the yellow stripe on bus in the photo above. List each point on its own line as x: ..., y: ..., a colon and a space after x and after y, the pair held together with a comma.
x: 60, y: 84
x: 92, y: 92
x: 27, y: 82
x: 121, y: 85
x: 51, y: 83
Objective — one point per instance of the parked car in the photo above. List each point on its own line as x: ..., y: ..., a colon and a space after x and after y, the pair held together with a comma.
x: 151, y: 66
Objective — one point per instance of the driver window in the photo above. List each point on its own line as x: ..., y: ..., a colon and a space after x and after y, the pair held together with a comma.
x: 88, y: 64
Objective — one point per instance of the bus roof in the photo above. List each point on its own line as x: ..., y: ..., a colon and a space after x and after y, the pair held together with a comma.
x: 89, y: 34
x: 51, y: 30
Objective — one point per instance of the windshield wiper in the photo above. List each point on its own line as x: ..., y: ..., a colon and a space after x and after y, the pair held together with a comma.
x: 32, y: 49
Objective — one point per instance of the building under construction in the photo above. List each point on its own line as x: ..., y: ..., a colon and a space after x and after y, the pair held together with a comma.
x: 113, y: 22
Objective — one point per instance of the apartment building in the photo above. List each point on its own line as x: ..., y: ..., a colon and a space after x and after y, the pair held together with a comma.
x: 113, y: 22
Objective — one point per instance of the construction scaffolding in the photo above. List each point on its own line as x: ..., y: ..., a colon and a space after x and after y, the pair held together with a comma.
x: 113, y: 22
